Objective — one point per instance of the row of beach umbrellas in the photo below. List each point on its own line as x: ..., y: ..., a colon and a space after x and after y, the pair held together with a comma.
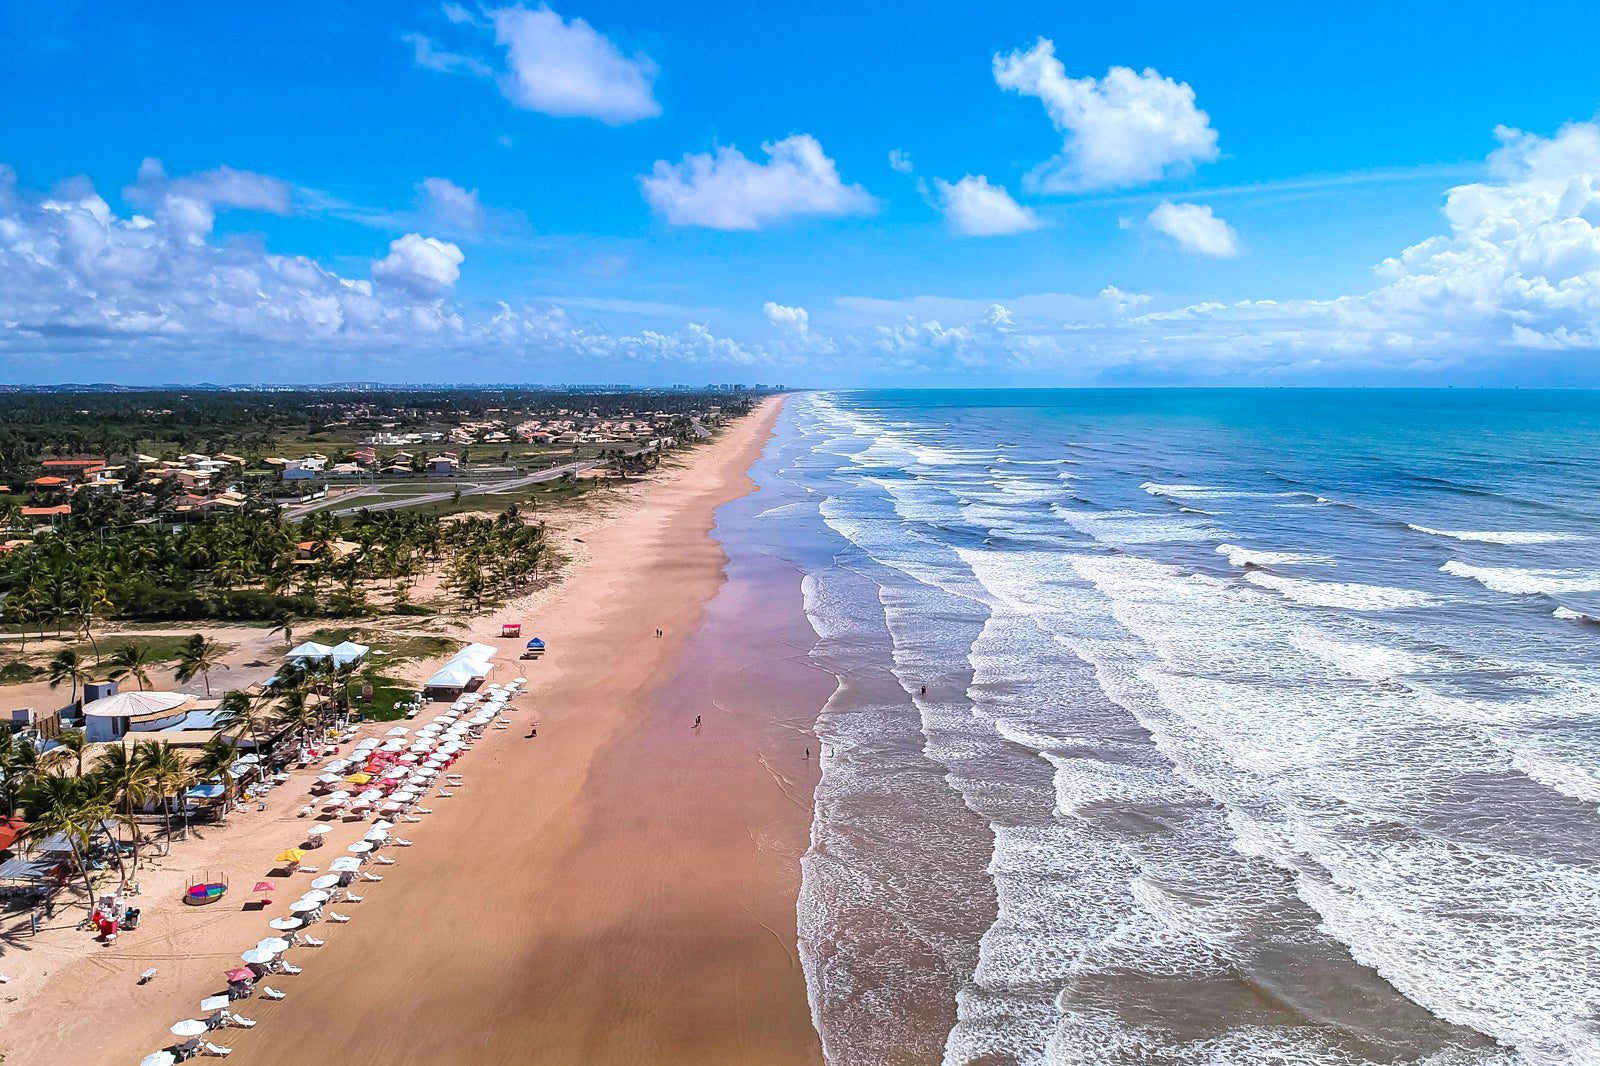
x: 432, y: 750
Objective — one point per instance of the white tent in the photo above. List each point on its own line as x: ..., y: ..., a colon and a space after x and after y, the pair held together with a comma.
x: 348, y: 652
x: 310, y: 650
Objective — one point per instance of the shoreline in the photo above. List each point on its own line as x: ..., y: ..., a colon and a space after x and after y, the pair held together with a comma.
x: 441, y: 961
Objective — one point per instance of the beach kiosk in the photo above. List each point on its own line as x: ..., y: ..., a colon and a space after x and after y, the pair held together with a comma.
x: 511, y: 629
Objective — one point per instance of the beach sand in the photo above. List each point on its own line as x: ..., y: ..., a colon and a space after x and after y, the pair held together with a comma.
x: 619, y: 889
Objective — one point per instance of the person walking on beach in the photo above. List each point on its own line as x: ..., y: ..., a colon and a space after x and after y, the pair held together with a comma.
x: 697, y: 721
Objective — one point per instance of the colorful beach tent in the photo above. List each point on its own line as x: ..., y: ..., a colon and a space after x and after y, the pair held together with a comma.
x: 291, y: 855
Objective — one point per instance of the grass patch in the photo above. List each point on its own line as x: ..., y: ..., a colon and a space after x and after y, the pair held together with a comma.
x: 396, y: 649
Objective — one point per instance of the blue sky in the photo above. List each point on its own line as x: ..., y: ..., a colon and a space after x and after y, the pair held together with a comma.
x: 643, y: 193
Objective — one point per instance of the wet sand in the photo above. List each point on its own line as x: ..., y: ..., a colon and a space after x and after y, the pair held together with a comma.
x: 619, y: 889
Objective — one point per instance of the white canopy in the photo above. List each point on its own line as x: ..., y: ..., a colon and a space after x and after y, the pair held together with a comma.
x: 310, y: 650
x: 348, y: 652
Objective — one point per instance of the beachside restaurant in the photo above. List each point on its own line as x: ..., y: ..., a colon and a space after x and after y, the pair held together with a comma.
x: 465, y: 672
x: 111, y: 718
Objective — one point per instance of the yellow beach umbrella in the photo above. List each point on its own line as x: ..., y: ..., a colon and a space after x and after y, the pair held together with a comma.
x: 359, y: 779
x: 291, y: 855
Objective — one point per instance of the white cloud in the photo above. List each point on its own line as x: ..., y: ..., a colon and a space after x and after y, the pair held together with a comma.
x: 1195, y: 229
x: 564, y: 67
x: 427, y: 54
x: 189, y: 204
x: 729, y: 191
x: 451, y: 205
x: 423, y: 265
x: 792, y: 319
x: 1127, y: 128
x: 900, y: 161
x: 975, y: 208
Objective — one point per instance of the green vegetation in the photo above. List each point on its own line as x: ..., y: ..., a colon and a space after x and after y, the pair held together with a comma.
x: 253, y: 565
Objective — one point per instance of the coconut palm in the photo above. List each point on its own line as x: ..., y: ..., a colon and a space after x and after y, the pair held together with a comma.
x: 126, y: 780
x: 67, y: 666
x: 216, y: 762
x: 286, y: 627
x: 200, y: 655
x: 170, y: 776
x: 71, y: 746
x: 132, y: 660
x: 19, y: 763
x: 68, y: 806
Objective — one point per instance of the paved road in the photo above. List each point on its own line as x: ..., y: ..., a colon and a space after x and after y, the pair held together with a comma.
x: 422, y: 499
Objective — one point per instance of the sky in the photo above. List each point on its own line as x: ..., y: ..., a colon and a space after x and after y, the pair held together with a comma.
x: 832, y: 195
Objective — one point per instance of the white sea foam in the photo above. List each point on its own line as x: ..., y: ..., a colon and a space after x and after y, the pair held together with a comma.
x: 1138, y: 527
x: 1238, y: 556
x: 1567, y: 614
x: 1507, y: 537
x: 1516, y: 581
x: 1343, y: 595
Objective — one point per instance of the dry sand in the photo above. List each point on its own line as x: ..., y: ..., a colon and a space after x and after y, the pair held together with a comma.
x: 619, y: 889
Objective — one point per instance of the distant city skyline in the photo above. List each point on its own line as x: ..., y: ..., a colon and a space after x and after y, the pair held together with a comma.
x: 616, y: 193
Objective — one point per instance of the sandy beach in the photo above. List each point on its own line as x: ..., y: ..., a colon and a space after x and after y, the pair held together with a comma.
x: 618, y: 889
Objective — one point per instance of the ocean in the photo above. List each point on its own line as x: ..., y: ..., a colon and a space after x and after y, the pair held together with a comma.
x: 1200, y: 726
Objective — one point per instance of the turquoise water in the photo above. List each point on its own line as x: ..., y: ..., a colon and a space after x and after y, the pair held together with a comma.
x: 1202, y: 726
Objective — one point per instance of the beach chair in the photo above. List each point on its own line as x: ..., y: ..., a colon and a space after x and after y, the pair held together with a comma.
x: 400, y: 842
x: 371, y: 877
x: 446, y: 793
x: 216, y: 1049
x: 148, y: 976
x: 423, y: 810
x: 335, y: 916
x: 312, y: 942
x: 290, y: 969
x: 307, y: 812
x: 384, y: 860
x: 268, y: 992
x: 351, y: 897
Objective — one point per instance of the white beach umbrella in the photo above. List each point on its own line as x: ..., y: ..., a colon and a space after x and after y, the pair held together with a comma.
x: 376, y: 836
x: 329, y: 779
x: 383, y: 823
x: 368, y: 744
x: 393, y: 746
x: 411, y: 759
x: 326, y: 881
x: 304, y: 906
x: 158, y: 1058
x: 403, y: 795
x: 345, y: 864
x: 286, y: 925
x: 337, y: 766
x: 360, y: 847
x: 257, y: 957
x: 339, y: 796
x: 317, y: 896
x: 397, y: 731
x: 189, y: 1027
x: 275, y: 944
x: 318, y: 831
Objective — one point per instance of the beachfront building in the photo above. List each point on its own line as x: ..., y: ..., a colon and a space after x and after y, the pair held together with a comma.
x: 110, y: 718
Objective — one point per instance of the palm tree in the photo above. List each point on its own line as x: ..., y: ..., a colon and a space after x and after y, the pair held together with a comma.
x: 68, y: 666
x: 19, y: 763
x: 126, y: 780
x: 216, y: 761
x: 70, y: 746
x: 199, y: 655
x: 170, y: 776
x: 286, y: 627
x: 70, y: 807
x: 132, y: 660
